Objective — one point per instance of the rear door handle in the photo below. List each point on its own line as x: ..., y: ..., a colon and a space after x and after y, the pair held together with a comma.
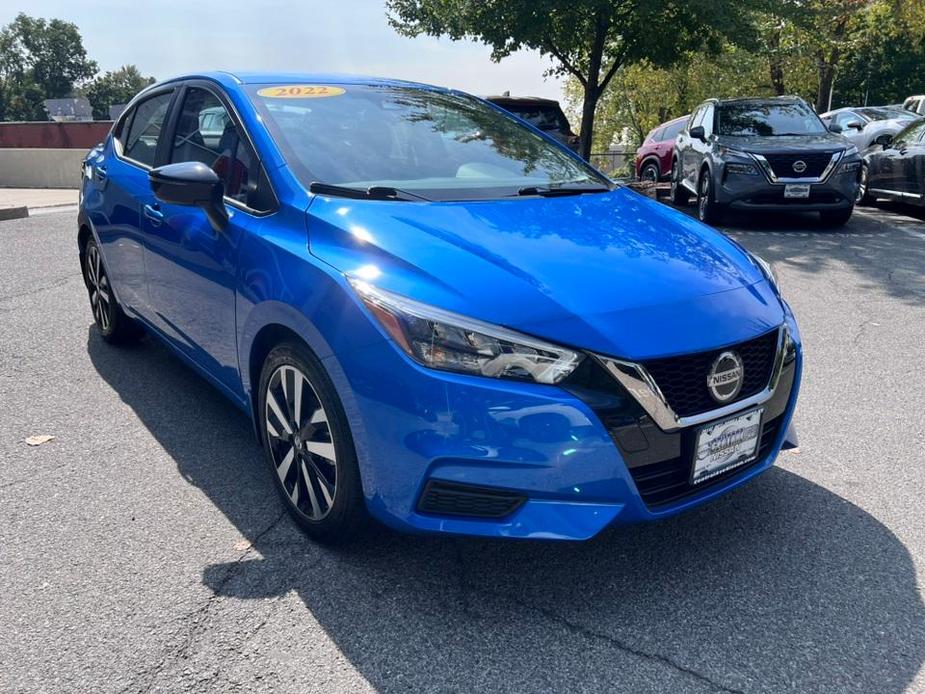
x: 154, y: 214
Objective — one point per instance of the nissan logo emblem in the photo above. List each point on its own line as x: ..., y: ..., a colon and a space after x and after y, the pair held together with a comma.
x: 799, y: 166
x: 725, y: 378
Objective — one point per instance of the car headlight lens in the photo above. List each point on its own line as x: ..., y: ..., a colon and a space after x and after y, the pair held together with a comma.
x: 451, y: 342
x: 768, y: 271
x: 850, y: 166
x: 744, y: 169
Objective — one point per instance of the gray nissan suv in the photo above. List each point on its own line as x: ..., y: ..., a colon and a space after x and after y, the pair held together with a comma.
x: 764, y: 154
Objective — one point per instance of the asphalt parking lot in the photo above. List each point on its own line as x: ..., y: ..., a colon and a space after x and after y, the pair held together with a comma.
x: 143, y: 548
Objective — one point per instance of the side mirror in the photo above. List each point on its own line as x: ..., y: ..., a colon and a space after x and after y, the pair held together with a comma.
x: 885, y: 140
x: 698, y: 133
x: 835, y: 128
x: 856, y: 125
x: 194, y: 184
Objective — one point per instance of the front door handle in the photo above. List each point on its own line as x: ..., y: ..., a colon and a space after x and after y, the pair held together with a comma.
x: 153, y: 213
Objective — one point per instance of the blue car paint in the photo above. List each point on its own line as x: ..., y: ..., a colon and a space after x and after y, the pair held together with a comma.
x: 612, y: 273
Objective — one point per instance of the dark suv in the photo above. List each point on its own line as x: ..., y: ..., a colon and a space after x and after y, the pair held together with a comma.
x: 764, y: 154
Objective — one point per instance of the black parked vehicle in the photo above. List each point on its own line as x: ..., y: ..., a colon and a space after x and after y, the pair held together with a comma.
x: 768, y: 154
x: 894, y: 167
x: 545, y: 114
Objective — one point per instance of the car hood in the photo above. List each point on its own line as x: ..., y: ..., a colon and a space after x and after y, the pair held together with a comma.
x: 613, y: 272
x: 803, y: 143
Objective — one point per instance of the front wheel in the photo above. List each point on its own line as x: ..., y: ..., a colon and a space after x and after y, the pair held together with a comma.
x: 863, y: 196
x: 309, y: 447
x: 708, y: 210
x: 836, y: 218
x: 679, y: 195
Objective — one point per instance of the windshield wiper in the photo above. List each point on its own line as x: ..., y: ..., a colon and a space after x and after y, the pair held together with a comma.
x: 548, y: 192
x: 371, y: 193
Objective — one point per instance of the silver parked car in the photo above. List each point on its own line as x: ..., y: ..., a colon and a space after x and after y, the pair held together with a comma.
x: 863, y: 125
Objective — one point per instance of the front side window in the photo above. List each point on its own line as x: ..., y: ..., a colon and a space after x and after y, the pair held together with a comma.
x: 767, y: 119
x: 438, y: 145
x: 671, y: 131
x: 147, y: 122
x: 206, y: 133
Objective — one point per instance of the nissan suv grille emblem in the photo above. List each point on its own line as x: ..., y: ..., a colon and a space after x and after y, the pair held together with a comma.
x: 799, y: 166
x: 726, y: 376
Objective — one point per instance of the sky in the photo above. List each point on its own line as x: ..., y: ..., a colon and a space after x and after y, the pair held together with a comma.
x: 170, y: 37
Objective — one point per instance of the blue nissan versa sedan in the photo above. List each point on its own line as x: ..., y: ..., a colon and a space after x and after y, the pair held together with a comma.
x: 434, y: 313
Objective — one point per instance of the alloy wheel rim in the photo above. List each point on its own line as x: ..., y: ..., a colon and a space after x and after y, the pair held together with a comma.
x: 301, y: 442
x: 704, y: 196
x: 862, y: 185
x: 648, y: 174
x: 100, y: 292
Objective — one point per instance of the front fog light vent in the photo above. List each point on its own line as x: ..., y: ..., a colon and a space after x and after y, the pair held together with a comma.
x: 454, y: 499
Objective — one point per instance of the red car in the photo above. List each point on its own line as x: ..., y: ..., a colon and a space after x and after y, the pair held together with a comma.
x: 653, y: 158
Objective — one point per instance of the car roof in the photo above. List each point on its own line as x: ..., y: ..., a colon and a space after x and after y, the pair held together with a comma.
x: 522, y: 100
x: 237, y: 78
x: 760, y: 100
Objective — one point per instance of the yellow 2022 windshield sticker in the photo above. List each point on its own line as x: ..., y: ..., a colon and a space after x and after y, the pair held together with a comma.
x: 300, y: 91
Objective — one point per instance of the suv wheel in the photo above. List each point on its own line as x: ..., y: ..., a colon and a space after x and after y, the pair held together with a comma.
x: 308, y: 444
x: 708, y: 210
x: 679, y: 194
x: 650, y: 172
x: 863, y: 197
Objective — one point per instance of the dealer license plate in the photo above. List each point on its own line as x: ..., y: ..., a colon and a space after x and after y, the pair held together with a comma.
x: 796, y: 190
x: 726, y: 444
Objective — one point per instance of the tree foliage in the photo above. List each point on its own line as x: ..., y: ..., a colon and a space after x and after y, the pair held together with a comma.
x: 589, y: 40
x: 114, y: 87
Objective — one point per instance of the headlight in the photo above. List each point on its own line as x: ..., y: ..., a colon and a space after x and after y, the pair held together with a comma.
x: 451, y: 342
x: 768, y: 271
x: 850, y: 166
x: 745, y: 169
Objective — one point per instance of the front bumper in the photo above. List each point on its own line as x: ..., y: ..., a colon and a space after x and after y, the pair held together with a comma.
x: 413, y: 426
x: 756, y: 192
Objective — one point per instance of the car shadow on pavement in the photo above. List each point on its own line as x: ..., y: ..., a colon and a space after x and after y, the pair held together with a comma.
x: 781, y: 585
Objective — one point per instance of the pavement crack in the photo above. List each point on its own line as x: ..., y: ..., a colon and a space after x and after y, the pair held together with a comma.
x: 194, y: 622
x: 38, y: 290
x: 581, y: 630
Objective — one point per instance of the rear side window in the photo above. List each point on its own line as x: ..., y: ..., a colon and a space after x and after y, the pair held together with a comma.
x: 671, y: 131
x: 206, y: 133
x: 147, y: 123
x: 654, y: 136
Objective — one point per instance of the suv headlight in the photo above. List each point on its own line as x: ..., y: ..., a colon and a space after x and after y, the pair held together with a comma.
x: 444, y: 340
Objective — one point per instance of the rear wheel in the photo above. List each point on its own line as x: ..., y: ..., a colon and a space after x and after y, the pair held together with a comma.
x: 836, y: 218
x: 708, y: 210
x: 309, y: 446
x: 650, y: 172
x: 111, y: 322
x: 679, y: 194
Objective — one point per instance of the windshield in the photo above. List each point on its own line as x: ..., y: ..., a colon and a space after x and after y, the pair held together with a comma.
x: 744, y: 119
x: 442, y: 146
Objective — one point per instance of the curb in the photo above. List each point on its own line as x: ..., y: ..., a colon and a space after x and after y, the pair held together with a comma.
x: 18, y: 212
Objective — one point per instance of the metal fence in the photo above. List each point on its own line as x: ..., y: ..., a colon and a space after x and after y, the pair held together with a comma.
x: 614, y: 163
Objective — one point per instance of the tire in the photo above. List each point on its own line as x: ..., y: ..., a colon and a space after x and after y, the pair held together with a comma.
x: 708, y: 210
x: 309, y: 447
x: 679, y: 194
x: 836, y: 218
x: 863, y: 197
x: 650, y: 172
x: 111, y: 322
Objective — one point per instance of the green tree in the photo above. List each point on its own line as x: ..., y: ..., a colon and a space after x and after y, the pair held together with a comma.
x: 590, y: 40
x: 114, y: 87
x: 39, y: 59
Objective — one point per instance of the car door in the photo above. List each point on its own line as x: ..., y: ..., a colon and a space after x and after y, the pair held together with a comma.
x: 854, y: 135
x: 914, y: 167
x: 895, y: 172
x: 191, y: 267
x: 120, y: 180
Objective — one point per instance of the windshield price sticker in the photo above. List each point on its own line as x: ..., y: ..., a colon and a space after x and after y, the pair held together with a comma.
x: 300, y: 91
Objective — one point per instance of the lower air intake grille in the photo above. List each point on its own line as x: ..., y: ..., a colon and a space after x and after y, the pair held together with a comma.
x: 667, y: 481
x: 453, y: 499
